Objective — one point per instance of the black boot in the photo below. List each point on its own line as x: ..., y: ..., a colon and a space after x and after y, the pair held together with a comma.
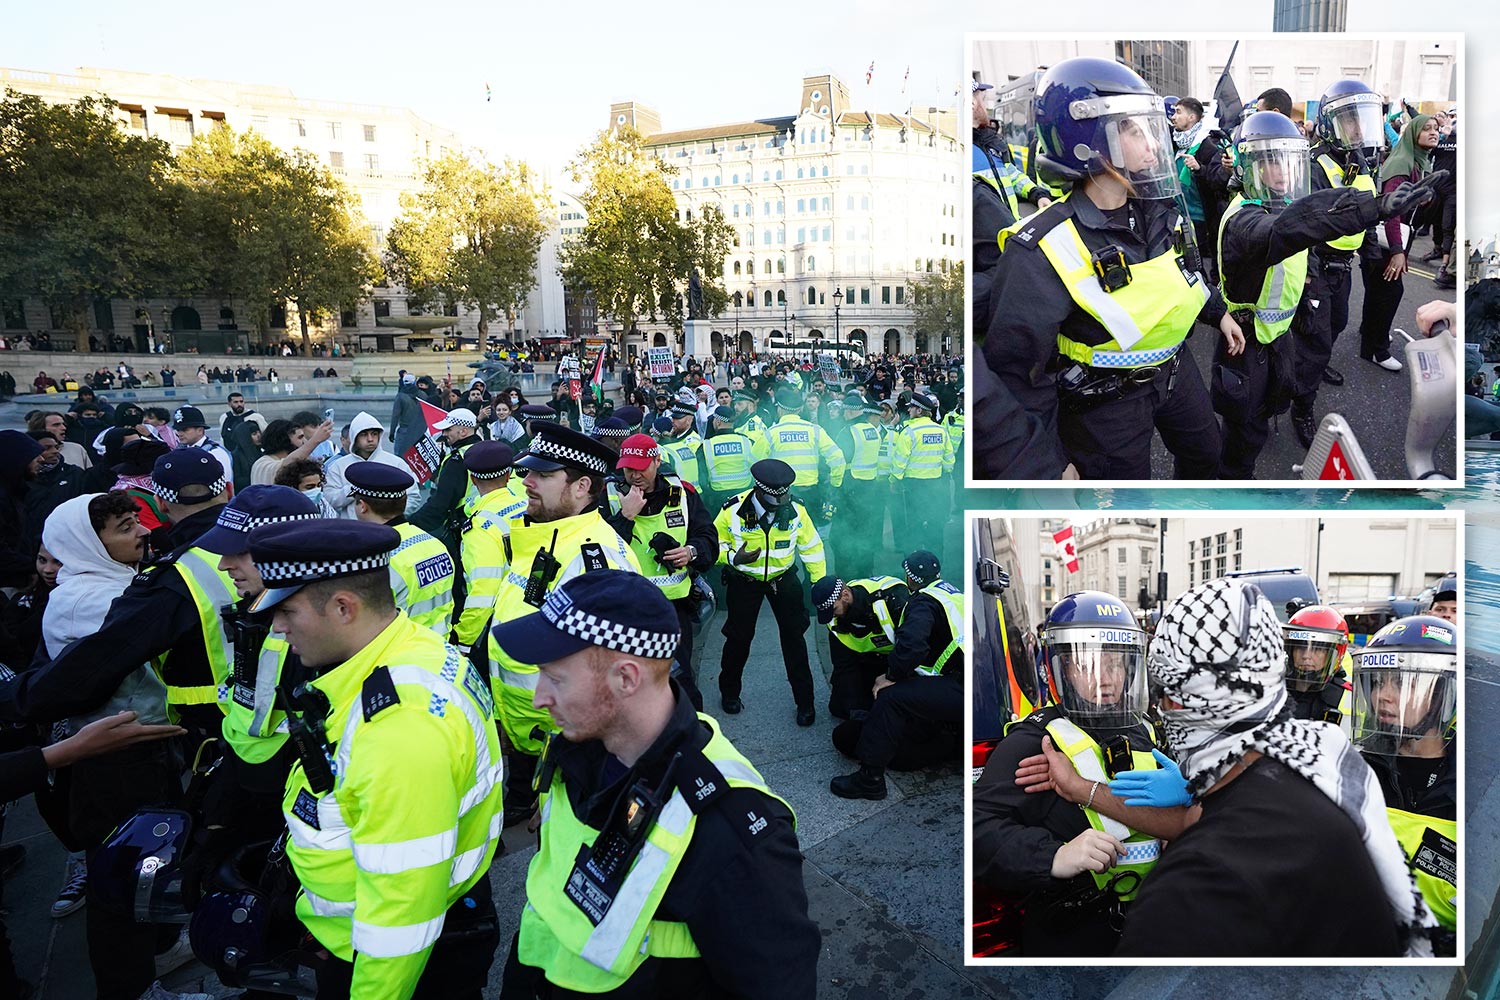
x: 866, y: 783
x: 1305, y: 426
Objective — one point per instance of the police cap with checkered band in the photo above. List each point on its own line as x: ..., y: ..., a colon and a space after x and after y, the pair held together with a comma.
x: 251, y: 508
x: 608, y: 607
x: 488, y: 459
x: 554, y: 447
x: 378, y: 480
x: 293, y: 554
x: 187, y: 476
x: 773, y: 476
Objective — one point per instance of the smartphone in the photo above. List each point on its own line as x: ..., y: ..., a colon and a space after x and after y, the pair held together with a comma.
x: 328, y: 414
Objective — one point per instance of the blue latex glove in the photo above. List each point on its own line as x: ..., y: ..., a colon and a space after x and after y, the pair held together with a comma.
x: 1163, y: 787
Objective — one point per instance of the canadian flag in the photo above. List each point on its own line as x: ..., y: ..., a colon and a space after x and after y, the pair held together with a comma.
x: 1067, y: 548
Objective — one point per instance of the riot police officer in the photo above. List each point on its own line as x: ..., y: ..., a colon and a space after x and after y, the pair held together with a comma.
x: 1405, y: 725
x: 1317, y: 685
x: 1093, y: 296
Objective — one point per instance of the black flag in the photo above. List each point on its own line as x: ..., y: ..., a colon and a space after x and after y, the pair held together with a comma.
x: 1227, y: 97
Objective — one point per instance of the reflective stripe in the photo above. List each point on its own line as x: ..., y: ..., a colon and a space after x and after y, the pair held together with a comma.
x: 430, y: 604
x: 327, y: 907
x: 267, y: 673
x: 467, y: 863
x: 1141, y: 851
x: 404, y: 855
x: 1087, y: 763
x: 202, y: 694
x: 393, y: 942
x: 1122, y: 326
x: 518, y: 678
x: 608, y: 938
x: 1133, y: 359
x: 474, y: 600
x: 487, y: 573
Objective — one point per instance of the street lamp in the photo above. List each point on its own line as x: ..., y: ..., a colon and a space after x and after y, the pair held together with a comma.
x: 838, y: 300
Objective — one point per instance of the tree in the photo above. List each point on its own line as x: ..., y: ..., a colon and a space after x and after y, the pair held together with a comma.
x: 87, y: 211
x: 937, y: 299
x: 473, y: 234
x: 633, y: 252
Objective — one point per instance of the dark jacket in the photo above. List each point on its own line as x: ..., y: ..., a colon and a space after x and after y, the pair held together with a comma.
x: 701, y: 533
x: 739, y: 887
x: 1255, y: 240
x: 447, y: 496
x: 408, y: 426
x: 17, y: 553
x: 921, y: 638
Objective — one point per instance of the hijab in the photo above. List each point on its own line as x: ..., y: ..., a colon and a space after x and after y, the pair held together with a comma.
x: 243, y: 452
x: 1407, y: 158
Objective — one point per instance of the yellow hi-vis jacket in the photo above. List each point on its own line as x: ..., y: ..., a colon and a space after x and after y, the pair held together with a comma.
x: 485, y: 550
x: 580, y: 544
x: 800, y: 443
x: 923, y: 450
x: 883, y: 638
x: 414, y: 816
x: 682, y: 454
x: 211, y: 590
x: 422, y: 575
x: 254, y: 726
x: 780, y: 545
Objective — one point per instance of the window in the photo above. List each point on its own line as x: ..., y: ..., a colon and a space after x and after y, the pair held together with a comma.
x: 749, y: 209
x: 768, y: 296
x: 734, y: 178
x: 104, y: 316
x: 1147, y: 556
x: 827, y: 233
x: 372, y: 163
x: 765, y: 208
x: 736, y: 211
x: 1121, y: 589
x: 781, y: 297
x: 864, y: 201
x: 768, y: 265
x: 765, y: 176
x: 885, y: 295
x: 849, y: 295
x: 382, y: 307
x: 348, y: 317
x: 1220, y: 539
x: 812, y: 263
x: 765, y: 237
x: 799, y: 173
x: 369, y: 137
x: 849, y: 202
x: 812, y: 296
x: 737, y: 270
x: 801, y: 234
x: 864, y: 296
x: 900, y: 294
x: 335, y: 130
x: 299, y: 128
x: 1120, y: 557
x: 138, y: 121
x: 825, y: 171
x: 780, y: 234
x: 750, y: 266
x: 336, y: 160
x: 778, y: 175
x: 780, y: 207
x: 781, y: 265
x: 717, y: 181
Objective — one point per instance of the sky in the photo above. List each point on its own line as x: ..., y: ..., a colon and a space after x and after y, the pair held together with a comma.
x: 554, y: 71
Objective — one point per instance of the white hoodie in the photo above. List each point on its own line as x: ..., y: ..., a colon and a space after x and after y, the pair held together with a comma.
x: 87, y: 585
x: 336, y: 487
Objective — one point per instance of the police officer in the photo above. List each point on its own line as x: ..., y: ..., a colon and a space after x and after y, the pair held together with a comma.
x: 861, y: 616
x: 1350, y: 144
x: 1071, y: 863
x: 611, y: 431
x: 864, y: 493
x: 439, y: 516
x: 953, y: 420
x: 746, y: 420
x: 486, y: 539
x: 672, y: 534
x: 393, y: 805
x: 422, y: 571
x: 727, y: 456
x: 922, y: 690
x: 801, y: 444
x: 1093, y: 298
x: 562, y: 534
x: 921, y: 455
x: 681, y: 446
x: 169, y: 614
x: 666, y: 867
x: 1445, y: 599
x: 1317, y: 685
x: 1405, y: 724
x: 762, y: 533
x: 1263, y: 246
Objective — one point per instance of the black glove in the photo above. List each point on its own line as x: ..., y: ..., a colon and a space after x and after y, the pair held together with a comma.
x: 1409, y: 196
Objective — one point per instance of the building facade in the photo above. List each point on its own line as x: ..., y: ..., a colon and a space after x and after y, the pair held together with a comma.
x: 378, y: 151
x: 1309, y: 15
x: 829, y: 199
x: 1118, y: 555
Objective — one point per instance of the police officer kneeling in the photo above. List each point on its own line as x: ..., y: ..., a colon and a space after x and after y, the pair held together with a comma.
x: 861, y: 616
x: 393, y: 808
x: 666, y: 866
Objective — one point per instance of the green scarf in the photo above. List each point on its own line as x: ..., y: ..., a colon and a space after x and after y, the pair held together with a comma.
x: 1407, y: 155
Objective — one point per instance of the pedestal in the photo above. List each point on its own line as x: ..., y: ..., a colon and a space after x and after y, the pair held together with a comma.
x: 697, y: 339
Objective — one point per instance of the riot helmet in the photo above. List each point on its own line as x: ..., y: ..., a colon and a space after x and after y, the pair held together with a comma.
x: 1270, y: 159
x: 1094, y: 655
x: 1351, y: 117
x: 1406, y: 685
x: 1316, y: 638
x: 138, y: 871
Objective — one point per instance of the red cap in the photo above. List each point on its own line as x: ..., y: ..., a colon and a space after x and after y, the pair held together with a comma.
x: 637, y: 452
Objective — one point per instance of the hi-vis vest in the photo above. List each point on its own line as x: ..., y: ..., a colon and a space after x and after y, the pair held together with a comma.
x: 923, y: 450
x: 952, y: 601
x: 211, y: 590
x: 799, y: 443
x: 864, y: 465
x: 672, y: 519
x: 879, y: 640
x: 1279, y: 293
x: 600, y: 952
x: 1147, y: 320
x: 1336, y: 178
x: 422, y: 574
x: 381, y: 860
x: 1141, y: 850
x: 779, y: 546
x: 580, y: 544
x: 727, y: 457
x: 753, y: 427
x: 887, y: 442
x: 954, y: 421
x: 486, y: 556
x: 683, y: 454
x: 253, y: 724
x: 1431, y: 848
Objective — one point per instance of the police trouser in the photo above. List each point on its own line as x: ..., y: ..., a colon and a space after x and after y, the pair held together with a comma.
x: 1321, y: 317
x: 458, y: 967
x: 1247, y: 418
x: 687, y: 677
x: 1382, y: 299
x: 854, y: 675
x: 909, y: 711
x: 1111, y: 438
x: 742, y: 601
x: 105, y: 792
x: 926, y: 503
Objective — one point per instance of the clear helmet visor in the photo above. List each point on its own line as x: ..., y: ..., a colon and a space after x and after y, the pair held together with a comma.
x: 1140, y: 147
x: 1312, y: 658
x: 1355, y: 123
x: 1411, y: 696
x: 1099, y: 682
x: 1274, y: 170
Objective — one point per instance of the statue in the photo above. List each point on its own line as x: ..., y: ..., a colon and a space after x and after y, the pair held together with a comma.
x: 695, y: 296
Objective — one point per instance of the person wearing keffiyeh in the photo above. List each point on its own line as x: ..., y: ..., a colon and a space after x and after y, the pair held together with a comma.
x: 1293, y: 829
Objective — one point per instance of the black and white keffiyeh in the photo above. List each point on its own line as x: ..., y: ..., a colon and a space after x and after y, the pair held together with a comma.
x: 1218, y: 652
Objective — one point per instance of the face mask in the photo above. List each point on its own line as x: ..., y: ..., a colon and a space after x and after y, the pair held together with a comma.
x: 315, y: 495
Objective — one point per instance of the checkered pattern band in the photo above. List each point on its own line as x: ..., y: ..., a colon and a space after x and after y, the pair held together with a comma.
x: 833, y: 595
x: 170, y: 496
x: 556, y: 452
x: 915, y: 575
x: 634, y: 452
x: 566, y: 617
x: 775, y: 491
x: 310, y: 572
x: 238, y: 520
x: 377, y: 494
x: 486, y: 475
x: 620, y: 433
